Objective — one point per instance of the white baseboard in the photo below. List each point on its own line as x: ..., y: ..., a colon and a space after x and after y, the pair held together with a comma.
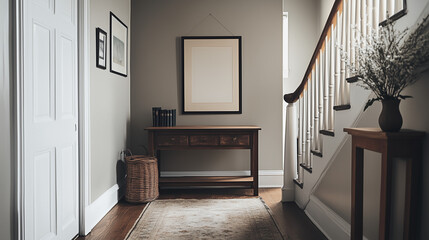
x: 329, y: 223
x: 267, y: 178
x: 288, y: 194
x: 100, y: 207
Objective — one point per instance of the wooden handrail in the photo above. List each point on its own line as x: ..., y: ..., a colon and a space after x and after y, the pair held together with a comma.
x: 293, y: 97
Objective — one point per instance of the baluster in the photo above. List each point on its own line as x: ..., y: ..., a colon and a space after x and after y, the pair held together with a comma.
x: 390, y: 7
x: 312, y: 97
x: 331, y: 78
x: 369, y: 14
x: 349, y: 42
x: 316, y: 106
x: 300, y: 123
x: 352, y: 31
x: 304, y: 126
x: 326, y: 88
x: 309, y: 126
x: 321, y: 90
x: 375, y: 15
x: 383, y: 10
x: 358, y: 30
x: 346, y: 43
x: 399, y: 5
x: 338, y: 40
x: 363, y: 25
x: 312, y: 111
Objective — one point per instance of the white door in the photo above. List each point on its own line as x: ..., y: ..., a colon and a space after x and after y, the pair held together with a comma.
x: 50, y: 119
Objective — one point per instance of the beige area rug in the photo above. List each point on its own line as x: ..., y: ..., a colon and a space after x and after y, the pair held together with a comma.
x: 206, y: 219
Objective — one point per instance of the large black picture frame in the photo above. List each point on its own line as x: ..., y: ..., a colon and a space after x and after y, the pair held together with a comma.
x: 212, y: 74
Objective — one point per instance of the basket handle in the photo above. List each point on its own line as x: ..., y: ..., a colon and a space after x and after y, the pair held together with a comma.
x: 128, y: 152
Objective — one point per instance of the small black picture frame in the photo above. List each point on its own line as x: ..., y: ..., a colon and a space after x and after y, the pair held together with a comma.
x: 118, y: 46
x: 101, y: 48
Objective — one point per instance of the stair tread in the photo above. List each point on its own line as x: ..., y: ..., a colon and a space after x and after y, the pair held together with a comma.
x: 300, y: 184
x: 327, y: 132
x: 307, y: 168
x: 317, y: 153
x: 342, y: 107
x: 352, y: 79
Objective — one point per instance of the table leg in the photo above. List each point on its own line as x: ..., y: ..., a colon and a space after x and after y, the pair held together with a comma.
x: 151, y: 144
x: 158, y: 156
x: 412, y: 186
x: 385, y: 193
x: 254, y: 163
x: 357, y: 193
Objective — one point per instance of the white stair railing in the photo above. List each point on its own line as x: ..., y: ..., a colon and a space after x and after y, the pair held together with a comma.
x: 315, y: 73
x: 324, y: 86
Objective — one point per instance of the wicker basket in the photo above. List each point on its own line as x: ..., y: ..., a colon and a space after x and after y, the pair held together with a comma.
x: 142, y: 179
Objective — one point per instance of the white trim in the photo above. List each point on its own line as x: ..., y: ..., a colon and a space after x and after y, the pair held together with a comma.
x: 18, y: 114
x: 267, y: 178
x: 288, y: 194
x: 84, y: 117
x: 327, y: 221
x: 290, y: 153
x: 100, y: 207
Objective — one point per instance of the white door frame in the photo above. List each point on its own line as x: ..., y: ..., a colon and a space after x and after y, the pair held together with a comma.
x: 83, y: 115
x: 17, y: 11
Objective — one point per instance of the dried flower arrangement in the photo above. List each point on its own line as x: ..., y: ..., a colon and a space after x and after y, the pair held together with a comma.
x: 390, y: 60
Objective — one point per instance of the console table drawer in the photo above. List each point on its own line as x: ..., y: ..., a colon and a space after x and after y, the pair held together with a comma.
x: 235, y: 140
x: 172, y: 140
x: 204, y: 140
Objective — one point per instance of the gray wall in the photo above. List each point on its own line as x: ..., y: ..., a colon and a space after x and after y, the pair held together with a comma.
x: 6, y: 200
x: 109, y: 101
x: 156, y: 74
x: 334, y: 189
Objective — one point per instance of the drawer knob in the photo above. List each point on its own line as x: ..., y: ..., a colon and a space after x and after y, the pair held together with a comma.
x: 172, y: 139
x: 234, y: 139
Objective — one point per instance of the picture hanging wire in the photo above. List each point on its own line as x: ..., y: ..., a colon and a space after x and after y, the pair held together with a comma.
x: 204, y: 19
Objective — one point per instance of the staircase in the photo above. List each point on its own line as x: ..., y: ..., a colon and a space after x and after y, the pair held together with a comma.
x: 325, y: 102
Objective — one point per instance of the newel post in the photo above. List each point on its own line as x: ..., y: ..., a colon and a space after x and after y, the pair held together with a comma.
x: 290, y: 154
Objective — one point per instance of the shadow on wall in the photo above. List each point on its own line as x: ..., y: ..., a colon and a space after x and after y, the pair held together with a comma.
x: 121, y: 173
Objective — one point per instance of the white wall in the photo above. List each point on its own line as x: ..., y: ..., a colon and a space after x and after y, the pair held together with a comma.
x: 6, y: 188
x: 304, y: 33
x: 334, y: 189
x: 156, y: 74
x: 109, y: 101
x: 324, y: 8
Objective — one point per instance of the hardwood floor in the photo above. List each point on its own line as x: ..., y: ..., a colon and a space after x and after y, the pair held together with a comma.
x: 292, y: 221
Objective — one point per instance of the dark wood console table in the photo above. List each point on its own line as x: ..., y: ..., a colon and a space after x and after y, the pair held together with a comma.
x: 207, y: 137
x: 405, y: 144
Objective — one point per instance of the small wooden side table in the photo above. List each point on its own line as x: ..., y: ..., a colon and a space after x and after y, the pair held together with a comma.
x: 405, y: 144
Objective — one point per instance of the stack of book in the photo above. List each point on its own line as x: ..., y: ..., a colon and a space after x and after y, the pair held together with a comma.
x: 163, y: 117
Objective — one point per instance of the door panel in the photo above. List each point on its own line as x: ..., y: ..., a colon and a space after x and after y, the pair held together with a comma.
x: 66, y: 79
x: 42, y: 69
x: 44, y: 195
x: 68, y: 190
x: 50, y: 120
x: 65, y: 8
x: 46, y: 4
